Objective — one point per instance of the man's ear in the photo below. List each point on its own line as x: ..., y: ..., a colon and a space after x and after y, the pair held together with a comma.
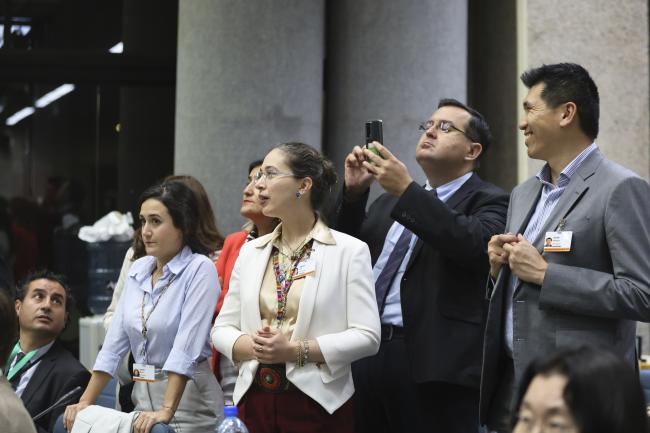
x: 475, y: 150
x: 18, y: 304
x: 569, y: 112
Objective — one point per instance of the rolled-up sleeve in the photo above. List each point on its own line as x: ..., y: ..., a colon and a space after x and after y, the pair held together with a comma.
x: 116, y: 342
x: 201, y: 294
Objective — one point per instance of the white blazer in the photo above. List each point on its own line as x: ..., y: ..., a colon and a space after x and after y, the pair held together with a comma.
x: 337, y: 308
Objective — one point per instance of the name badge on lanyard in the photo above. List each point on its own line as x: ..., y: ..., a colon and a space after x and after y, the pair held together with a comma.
x: 558, y: 241
x: 305, y: 268
x: 144, y: 373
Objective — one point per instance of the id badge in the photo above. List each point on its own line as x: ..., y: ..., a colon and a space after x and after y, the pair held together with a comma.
x: 305, y: 268
x: 144, y: 373
x: 557, y: 242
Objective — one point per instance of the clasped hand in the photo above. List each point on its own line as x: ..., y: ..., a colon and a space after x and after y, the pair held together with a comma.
x: 270, y: 346
x: 520, y: 255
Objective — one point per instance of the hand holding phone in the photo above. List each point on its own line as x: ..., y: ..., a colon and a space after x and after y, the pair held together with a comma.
x: 374, y: 132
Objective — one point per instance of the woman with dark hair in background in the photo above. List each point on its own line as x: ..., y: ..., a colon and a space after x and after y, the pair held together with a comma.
x: 164, y: 317
x: 257, y: 225
x: 301, y: 305
x: 580, y: 390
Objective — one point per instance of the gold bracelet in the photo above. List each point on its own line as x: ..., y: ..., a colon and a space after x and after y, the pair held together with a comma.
x: 299, y: 361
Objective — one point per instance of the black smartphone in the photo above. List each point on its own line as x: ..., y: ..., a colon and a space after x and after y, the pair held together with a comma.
x: 374, y: 132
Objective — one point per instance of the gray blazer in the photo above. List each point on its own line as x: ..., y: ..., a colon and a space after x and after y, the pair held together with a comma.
x: 592, y: 294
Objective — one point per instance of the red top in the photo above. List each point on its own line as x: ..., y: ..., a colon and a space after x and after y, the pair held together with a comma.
x: 226, y: 261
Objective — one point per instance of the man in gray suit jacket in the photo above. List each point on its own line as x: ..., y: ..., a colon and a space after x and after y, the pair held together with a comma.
x: 592, y: 281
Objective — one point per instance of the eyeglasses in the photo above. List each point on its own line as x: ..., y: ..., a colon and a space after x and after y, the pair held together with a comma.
x: 270, y: 175
x: 444, y: 126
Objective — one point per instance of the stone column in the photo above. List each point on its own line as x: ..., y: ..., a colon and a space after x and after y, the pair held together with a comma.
x: 250, y: 75
x: 391, y: 60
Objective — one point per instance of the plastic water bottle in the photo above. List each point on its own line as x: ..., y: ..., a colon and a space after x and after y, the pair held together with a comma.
x: 231, y: 424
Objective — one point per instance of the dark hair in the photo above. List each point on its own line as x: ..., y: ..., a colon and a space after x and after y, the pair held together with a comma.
x: 181, y: 203
x: 206, y: 228
x: 23, y: 286
x: 305, y: 161
x: 568, y: 82
x: 602, y: 392
x: 207, y: 221
x: 8, y: 324
x: 254, y: 164
x: 477, y: 128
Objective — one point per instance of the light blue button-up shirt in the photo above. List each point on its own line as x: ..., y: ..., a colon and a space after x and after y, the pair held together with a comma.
x: 178, y: 330
x: 549, y: 198
x: 393, y: 307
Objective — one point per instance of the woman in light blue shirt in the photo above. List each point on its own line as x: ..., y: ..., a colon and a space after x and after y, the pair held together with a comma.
x: 164, y: 318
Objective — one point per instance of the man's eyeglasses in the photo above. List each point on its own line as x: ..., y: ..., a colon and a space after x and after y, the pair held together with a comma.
x: 444, y: 126
x: 270, y: 175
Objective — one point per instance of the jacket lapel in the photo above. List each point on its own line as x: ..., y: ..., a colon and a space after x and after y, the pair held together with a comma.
x: 453, y: 202
x: 46, y: 364
x: 574, y: 192
x: 522, y: 213
x: 309, y: 291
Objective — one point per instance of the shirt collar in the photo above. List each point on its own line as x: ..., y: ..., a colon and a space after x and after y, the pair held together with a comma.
x: 40, y: 351
x: 544, y: 175
x: 320, y: 233
x: 143, y: 267
x: 450, y: 187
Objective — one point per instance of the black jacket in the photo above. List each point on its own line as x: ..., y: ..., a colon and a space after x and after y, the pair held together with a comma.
x: 57, y: 373
x: 442, y: 289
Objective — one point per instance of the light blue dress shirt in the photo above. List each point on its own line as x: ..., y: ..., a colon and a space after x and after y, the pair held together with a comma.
x: 178, y: 330
x: 393, y: 307
x: 549, y: 198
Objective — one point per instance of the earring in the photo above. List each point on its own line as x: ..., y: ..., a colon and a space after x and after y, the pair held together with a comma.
x: 298, y: 195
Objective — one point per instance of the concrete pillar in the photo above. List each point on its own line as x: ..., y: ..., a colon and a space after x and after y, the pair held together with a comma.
x: 249, y: 75
x: 391, y: 60
x: 492, y: 84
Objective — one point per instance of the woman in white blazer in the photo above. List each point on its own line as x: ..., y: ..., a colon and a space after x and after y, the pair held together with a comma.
x: 301, y: 305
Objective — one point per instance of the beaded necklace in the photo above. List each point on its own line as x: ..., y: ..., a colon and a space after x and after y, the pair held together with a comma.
x: 283, y: 279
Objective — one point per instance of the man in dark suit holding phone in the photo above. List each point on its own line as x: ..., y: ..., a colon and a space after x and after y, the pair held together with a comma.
x: 428, y: 246
x: 39, y: 368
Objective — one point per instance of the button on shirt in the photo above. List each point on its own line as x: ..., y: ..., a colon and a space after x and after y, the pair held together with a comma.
x: 32, y: 366
x: 393, y: 308
x: 178, y: 329
x: 549, y: 198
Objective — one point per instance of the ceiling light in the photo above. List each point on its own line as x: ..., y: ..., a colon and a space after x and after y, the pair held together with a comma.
x: 55, y: 94
x: 117, y: 48
x: 19, y: 115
